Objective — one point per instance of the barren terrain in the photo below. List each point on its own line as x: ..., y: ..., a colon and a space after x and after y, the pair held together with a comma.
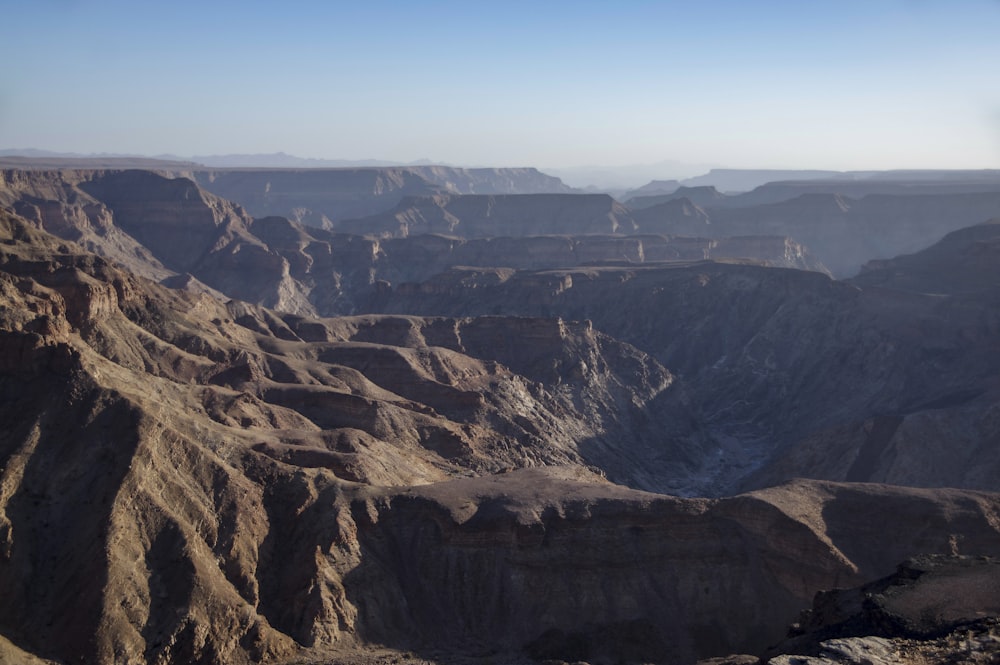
x: 486, y: 424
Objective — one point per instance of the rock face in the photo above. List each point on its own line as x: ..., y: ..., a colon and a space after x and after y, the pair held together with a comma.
x: 483, y: 394
x: 932, y: 609
x: 53, y: 201
x: 570, y: 567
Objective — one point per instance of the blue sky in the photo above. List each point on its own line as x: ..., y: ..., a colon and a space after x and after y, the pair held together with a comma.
x: 805, y: 84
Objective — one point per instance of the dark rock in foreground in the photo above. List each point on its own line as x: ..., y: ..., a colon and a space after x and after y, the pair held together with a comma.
x: 932, y: 609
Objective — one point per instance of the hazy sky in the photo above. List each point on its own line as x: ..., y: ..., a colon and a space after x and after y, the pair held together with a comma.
x: 802, y: 84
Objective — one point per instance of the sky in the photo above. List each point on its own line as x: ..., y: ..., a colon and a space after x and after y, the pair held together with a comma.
x: 845, y: 85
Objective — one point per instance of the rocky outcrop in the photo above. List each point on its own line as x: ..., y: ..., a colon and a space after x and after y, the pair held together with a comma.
x: 483, y: 394
x: 932, y: 609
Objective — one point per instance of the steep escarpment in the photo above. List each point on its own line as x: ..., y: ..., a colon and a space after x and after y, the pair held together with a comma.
x: 588, y: 559
x: 220, y: 549
x: 157, y: 227
x: 172, y: 217
x: 53, y: 201
x: 473, y: 216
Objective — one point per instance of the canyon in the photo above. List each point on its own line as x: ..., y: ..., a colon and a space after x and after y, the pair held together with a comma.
x: 435, y: 415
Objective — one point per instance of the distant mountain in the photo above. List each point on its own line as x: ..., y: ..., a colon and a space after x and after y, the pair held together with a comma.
x: 281, y: 160
x: 256, y: 160
x: 705, y: 196
x: 743, y: 180
x: 625, y: 177
x: 842, y: 232
x: 852, y: 183
x: 324, y: 196
x: 525, y: 180
x: 653, y: 188
x: 30, y: 158
x: 930, y: 175
x: 316, y: 197
x: 35, y: 153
